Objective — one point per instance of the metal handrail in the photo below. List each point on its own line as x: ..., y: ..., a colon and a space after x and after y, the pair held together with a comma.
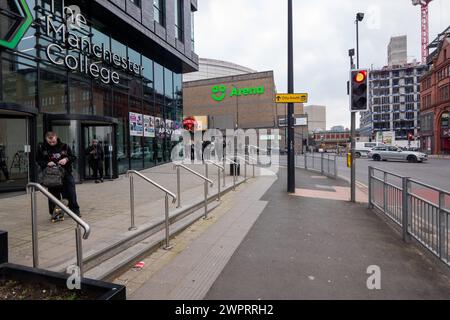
x: 80, y: 223
x: 157, y: 185
x: 234, y: 171
x: 388, y: 172
x: 174, y: 197
x: 246, y: 162
x: 177, y: 166
x: 430, y: 187
x: 219, y: 168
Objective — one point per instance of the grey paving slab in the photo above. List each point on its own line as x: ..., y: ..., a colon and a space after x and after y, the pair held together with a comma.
x: 308, y: 248
x: 205, y: 257
x: 106, y: 207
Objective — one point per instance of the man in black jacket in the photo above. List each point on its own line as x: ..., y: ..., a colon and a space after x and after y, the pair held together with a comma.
x: 96, y: 157
x: 52, y: 153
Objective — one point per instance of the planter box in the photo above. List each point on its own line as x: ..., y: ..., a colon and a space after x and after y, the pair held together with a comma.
x: 3, y: 247
x: 97, y: 290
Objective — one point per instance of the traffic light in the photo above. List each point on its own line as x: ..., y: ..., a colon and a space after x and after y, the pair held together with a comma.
x: 410, y: 137
x: 359, y: 84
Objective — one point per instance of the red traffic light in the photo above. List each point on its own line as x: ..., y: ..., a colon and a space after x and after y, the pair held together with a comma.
x: 360, y: 76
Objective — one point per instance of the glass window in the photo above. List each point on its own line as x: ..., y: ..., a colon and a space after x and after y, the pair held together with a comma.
x: 168, y: 86
x: 159, y: 83
x: 101, y: 100
x: 158, y: 12
x: 120, y: 107
x: 178, y: 5
x: 148, y: 78
x: 18, y: 83
x: 136, y: 2
x: 53, y: 90
x: 80, y: 96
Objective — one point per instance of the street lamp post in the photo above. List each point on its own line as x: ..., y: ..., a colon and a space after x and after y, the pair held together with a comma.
x: 290, y: 122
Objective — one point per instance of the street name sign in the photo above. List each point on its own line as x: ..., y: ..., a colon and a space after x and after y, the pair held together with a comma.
x: 291, y: 98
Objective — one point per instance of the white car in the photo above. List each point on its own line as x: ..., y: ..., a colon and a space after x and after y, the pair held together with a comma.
x: 363, y: 148
x: 394, y: 153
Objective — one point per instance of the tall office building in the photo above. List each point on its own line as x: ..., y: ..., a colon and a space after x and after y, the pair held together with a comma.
x: 317, y: 118
x: 394, y: 101
x: 398, y: 51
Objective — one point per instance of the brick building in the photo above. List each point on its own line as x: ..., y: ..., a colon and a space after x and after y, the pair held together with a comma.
x: 435, y: 93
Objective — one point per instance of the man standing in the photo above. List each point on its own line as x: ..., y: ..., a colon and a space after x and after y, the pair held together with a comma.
x: 3, y: 165
x: 95, y: 158
x: 55, y: 153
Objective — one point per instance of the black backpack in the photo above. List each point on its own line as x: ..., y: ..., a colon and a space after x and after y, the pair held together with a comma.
x: 52, y: 177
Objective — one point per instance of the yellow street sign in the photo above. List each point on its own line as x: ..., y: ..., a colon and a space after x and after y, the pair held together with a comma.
x: 291, y: 98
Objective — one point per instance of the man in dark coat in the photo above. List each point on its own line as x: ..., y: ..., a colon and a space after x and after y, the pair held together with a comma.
x: 96, y: 157
x: 55, y: 153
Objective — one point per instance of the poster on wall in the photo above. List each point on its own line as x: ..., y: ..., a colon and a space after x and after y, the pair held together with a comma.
x: 389, y: 138
x: 169, y: 127
x: 149, y: 126
x: 136, y: 124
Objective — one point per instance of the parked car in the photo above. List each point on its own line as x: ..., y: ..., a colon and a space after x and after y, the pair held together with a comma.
x: 362, y: 149
x: 394, y: 153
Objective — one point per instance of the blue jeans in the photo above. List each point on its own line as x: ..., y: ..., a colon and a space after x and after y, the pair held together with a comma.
x: 68, y: 192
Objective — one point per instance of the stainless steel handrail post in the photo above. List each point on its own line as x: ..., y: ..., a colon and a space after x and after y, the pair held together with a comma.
x: 335, y: 167
x: 167, y: 222
x: 218, y: 183
x: 178, y: 187
x: 206, y: 175
x: 33, y: 186
x: 79, y: 248
x: 34, y: 230
x: 133, y: 226
x: 224, y: 171
x: 179, y: 165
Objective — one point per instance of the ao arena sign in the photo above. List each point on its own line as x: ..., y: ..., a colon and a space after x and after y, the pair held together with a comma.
x: 218, y: 93
x: 95, y: 54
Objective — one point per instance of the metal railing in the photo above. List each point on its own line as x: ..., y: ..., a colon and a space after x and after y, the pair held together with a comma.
x: 326, y: 164
x: 32, y: 187
x: 234, y: 171
x: 178, y: 166
x: 219, y: 168
x: 421, y: 210
x: 130, y: 174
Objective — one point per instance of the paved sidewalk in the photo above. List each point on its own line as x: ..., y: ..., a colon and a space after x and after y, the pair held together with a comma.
x: 105, y: 207
x: 316, y: 245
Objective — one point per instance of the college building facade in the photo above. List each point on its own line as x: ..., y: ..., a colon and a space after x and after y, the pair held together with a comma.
x: 106, y: 70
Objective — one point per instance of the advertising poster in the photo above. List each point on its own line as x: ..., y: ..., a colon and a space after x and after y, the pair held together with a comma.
x: 136, y: 124
x: 389, y: 138
x: 169, y: 127
x: 149, y: 126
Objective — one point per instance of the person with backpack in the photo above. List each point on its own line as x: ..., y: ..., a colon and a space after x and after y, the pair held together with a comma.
x: 54, y: 153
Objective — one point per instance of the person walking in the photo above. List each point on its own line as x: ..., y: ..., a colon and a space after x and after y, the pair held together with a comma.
x: 96, y: 157
x: 52, y: 153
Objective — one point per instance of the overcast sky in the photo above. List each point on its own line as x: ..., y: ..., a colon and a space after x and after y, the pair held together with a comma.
x: 253, y: 33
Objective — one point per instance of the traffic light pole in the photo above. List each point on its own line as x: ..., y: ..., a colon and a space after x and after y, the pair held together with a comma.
x: 353, y: 131
x: 291, y: 157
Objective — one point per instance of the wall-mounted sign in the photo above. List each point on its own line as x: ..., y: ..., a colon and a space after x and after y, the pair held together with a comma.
x: 70, y: 37
x: 218, y: 93
x: 291, y: 98
x: 298, y: 121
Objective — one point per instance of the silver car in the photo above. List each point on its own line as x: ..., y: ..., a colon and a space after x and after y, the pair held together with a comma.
x: 393, y: 153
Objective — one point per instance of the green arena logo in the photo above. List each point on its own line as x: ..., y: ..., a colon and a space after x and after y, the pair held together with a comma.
x: 24, y: 20
x: 219, y: 92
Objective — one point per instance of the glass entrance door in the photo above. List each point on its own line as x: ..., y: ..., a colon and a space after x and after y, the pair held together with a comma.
x: 104, y: 135
x: 14, y: 154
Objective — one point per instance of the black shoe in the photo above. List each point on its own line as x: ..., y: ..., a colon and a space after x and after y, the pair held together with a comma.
x: 101, y: 180
x: 96, y: 181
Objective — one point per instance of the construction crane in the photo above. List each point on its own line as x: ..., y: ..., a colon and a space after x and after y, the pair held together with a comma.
x: 424, y: 30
